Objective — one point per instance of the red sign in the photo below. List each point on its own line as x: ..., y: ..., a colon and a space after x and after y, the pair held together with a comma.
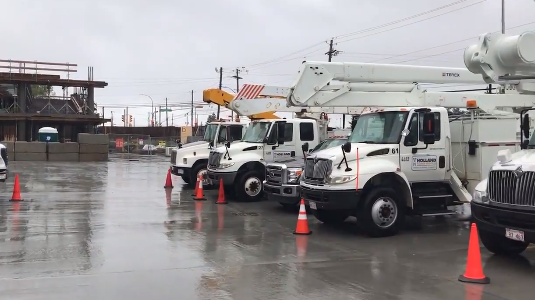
x: 118, y: 143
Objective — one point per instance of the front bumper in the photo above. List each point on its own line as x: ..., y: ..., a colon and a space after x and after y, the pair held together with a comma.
x: 496, y: 219
x: 228, y: 177
x: 332, y: 199
x: 285, y: 194
x: 3, y: 175
x: 179, y: 171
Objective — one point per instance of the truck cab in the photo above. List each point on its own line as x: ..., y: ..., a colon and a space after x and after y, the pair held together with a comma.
x: 3, y: 163
x: 404, y: 161
x: 241, y: 166
x: 282, y: 179
x: 190, y: 161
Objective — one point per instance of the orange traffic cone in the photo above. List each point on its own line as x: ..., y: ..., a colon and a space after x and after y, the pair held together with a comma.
x: 196, y: 186
x: 199, y: 193
x: 474, y: 270
x: 168, y: 180
x: 16, y: 190
x: 302, y: 222
x: 221, y: 198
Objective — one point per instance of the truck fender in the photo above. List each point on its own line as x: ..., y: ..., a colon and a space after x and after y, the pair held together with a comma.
x: 394, y: 179
x: 253, y: 165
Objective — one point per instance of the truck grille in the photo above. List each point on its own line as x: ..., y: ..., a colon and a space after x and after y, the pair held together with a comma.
x: 173, y: 157
x: 316, y: 170
x: 214, y: 159
x: 512, y: 187
x: 274, y: 175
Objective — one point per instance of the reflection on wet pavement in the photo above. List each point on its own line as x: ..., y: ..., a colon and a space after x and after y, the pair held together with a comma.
x: 110, y: 231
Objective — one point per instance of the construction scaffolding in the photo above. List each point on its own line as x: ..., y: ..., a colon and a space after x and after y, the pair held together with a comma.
x: 28, y: 100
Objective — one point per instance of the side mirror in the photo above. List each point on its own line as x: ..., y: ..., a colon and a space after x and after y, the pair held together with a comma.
x: 525, y: 126
x: 346, y: 147
x: 429, y: 128
x: 524, y: 144
x: 179, y: 145
x: 211, y: 144
x: 281, y: 126
x: 227, y: 145
x: 305, y: 147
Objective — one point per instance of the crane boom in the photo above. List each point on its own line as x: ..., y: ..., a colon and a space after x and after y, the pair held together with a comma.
x: 222, y: 98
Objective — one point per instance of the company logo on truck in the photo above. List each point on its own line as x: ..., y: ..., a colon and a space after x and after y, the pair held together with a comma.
x: 424, y: 162
x: 451, y: 75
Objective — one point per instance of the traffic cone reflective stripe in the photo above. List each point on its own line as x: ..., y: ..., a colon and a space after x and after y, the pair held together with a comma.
x: 221, y: 198
x: 196, y: 187
x: 199, y: 195
x: 16, y: 190
x: 168, y: 180
x: 474, y: 269
x: 302, y: 221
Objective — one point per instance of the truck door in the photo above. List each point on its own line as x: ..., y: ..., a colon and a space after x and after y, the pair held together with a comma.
x: 287, y: 150
x: 418, y: 162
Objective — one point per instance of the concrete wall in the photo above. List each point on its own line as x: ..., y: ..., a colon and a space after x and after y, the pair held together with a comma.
x: 91, y: 147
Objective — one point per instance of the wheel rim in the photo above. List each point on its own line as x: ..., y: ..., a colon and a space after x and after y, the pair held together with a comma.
x: 384, y: 212
x: 253, y: 186
x: 204, y: 175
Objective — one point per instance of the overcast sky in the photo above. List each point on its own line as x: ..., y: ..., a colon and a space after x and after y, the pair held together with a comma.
x: 168, y: 48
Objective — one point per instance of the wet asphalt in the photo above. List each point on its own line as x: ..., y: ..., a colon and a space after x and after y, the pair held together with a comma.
x: 110, y: 231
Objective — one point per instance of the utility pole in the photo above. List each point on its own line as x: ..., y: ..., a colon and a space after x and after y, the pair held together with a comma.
x: 191, y: 110
x: 237, y: 77
x: 333, y: 52
x: 503, y: 16
x: 220, y: 87
x: 166, y: 115
x: 124, y: 117
x: 160, y: 116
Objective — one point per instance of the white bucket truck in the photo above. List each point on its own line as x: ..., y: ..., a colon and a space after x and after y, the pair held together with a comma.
x: 411, y: 158
x: 503, y: 205
x: 189, y: 161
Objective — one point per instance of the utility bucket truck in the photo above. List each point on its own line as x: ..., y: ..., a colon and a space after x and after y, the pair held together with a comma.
x: 503, y: 205
x: 410, y: 158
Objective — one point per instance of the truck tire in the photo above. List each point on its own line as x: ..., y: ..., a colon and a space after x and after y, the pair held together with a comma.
x: 185, y: 178
x: 197, y: 169
x: 381, y: 213
x: 249, y: 186
x: 501, y: 245
x: 330, y: 217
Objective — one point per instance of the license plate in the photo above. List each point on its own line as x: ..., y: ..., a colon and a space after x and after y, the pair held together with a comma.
x: 516, y: 235
x: 312, y: 205
x: 180, y: 171
x: 3, y: 176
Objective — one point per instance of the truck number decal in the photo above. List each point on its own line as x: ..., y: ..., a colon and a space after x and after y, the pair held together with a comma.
x: 424, y: 162
x: 395, y: 150
x: 405, y: 158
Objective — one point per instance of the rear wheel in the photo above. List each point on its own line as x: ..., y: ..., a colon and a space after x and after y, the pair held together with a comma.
x: 249, y: 186
x: 330, y: 217
x: 381, y: 213
x: 501, y: 245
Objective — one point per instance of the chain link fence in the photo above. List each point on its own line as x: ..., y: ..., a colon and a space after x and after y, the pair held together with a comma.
x: 141, y: 144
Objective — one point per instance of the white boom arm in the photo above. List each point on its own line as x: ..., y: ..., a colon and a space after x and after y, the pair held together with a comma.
x: 322, y: 84
x: 255, y: 99
x: 504, y: 59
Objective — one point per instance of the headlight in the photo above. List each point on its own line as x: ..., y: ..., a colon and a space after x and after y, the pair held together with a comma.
x: 225, y: 165
x: 340, y: 179
x: 293, y: 175
x: 185, y: 161
x: 480, y: 197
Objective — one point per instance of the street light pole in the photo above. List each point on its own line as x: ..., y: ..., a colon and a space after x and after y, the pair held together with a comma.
x: 151, y: 109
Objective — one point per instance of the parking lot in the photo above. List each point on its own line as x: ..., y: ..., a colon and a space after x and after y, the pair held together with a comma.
x: 111, y: 231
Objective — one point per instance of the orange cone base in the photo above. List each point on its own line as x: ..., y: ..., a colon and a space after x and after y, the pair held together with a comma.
x: 199, y: 199
x: 168, y: 187
x: 301, y: 233
x: 15, y: 200
x: 484, y: 280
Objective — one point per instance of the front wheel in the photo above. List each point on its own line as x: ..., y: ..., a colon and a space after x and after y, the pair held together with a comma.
x: 330, y: 217
x: 199, y: 169
x: 501, y: 245
x: 382, y: 213
x: 249, y: 186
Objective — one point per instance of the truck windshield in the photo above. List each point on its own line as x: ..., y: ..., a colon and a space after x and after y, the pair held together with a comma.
x: 379, y: 128
x: 257, y: 132
x: 210, y: 132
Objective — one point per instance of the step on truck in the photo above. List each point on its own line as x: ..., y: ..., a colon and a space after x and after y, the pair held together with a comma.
x: 503, y: 205
x: 282, y: 179
x: 411, y: 158
x: 241, y: 165
x: 190, y: 162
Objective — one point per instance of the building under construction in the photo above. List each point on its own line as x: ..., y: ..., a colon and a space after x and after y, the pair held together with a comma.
x: 28, y: 100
